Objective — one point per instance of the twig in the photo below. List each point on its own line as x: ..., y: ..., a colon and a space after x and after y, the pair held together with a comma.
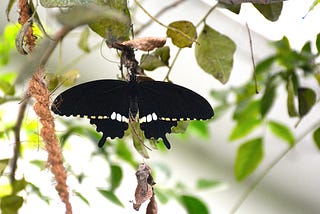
x: 172, y: 64
x: 157, y: 15
x: 251, y: 1
x: 245, y: 195
x: 163, y: 25
x: 252, y: 60
x: 206, y: 15
x: 17, y: 145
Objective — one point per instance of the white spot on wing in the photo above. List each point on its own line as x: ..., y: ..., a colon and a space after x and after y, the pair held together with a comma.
x: 119, y: 117
x: 154, y: 116
x: 113, y: 116
x: 149, y: 118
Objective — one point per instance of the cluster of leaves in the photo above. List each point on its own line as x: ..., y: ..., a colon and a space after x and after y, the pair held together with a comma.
x: 287, y: 67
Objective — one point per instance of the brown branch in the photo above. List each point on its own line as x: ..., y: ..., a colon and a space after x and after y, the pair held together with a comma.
x: 251, y: 1
x: 17, y: 144
x: 157, y: 15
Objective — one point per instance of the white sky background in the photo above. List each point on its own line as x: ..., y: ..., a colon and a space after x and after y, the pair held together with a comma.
x: 291, y: 187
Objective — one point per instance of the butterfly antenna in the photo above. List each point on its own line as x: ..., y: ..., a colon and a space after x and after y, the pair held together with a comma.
x: 101, y: 53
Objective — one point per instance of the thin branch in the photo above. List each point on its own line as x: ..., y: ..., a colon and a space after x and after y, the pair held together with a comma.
x: 163, y: 25
x: 251, y: 1
x: 172, y: 64
x: 157, y: 15
x: 206, y: 15
x: 245, y: 195
x: 252, y: 60
x: 17, y: 145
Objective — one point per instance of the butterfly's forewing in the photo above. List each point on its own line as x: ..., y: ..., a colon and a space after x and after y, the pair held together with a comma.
x: 93, y: 99
x: 104, y: 102
x: 162, y: 104
x: 172, y: 102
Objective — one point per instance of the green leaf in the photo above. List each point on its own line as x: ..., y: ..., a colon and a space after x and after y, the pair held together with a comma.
x: 19, y: 185
x: 64, y: 3
x: 7, y: 88
x: 267, y: 99
x: 214, y: 53
x: 138, y: 139
x: 204, y: 184
x: 10, y: 204
x: 316, y: 137
x: 124, y: 153
x: 110, y: 23
x: 115, y: 177
x: 69, y: 78
x: 181, y: 127
x: 160, y: 57
x: 194, y: 205
x: 235, y: 8
x: 265, y: 65
x: 150, y: 62
x: 3, y: 165
x: 291, y: 106
x: 83, y: 40
x: 248, y: 158
x: 184, y: 39
x: 318, y: 42
x: 82, y: 198
x: 306, y: 99
x: 52, y: 81
x: 112, y: 28
x: 282, y: 131
x: 162, y: 196
x: 270, y: 11
x: 200, y: 128
x: 36, y: 190
x: 243, y: 128
x: 9, y: 6
x: 110, y: 196
x: 247, y: 110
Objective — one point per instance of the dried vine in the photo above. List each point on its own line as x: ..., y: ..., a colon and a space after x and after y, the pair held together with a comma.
x: 39, y: 91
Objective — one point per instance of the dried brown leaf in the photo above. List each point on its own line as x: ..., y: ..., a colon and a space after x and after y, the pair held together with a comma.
x: 146, y: 43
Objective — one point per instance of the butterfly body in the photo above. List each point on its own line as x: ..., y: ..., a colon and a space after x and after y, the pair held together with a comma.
x: 111, y: 104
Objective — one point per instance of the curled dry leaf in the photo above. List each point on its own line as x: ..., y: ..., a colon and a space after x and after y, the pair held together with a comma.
x: 152, y: 207
x: 144, y: 190
x: 25, y: 36
x: 146, y: 43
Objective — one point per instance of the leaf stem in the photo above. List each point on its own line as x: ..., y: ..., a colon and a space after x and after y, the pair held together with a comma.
x: 163, y: 10
x: 172, y: 64
x: 163, y: 25
x: 206, y: 16
x: 252, y: 60
x: 250, y: 189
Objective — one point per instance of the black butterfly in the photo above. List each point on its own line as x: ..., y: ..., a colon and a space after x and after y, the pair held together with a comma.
x: 111, y: 104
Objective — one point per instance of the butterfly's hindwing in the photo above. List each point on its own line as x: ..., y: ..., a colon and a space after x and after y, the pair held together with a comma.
x: 157, y: 129
x: 109, y: 128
